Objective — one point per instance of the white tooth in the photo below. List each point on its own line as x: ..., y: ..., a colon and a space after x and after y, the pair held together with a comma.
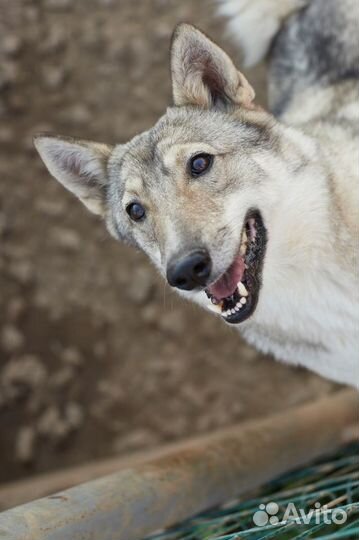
x: 243, y: 246
x: 242, y: 290
x: 237, y: 308
x: 243, y: 300
x: 214, y: 308
x: 233, y: 311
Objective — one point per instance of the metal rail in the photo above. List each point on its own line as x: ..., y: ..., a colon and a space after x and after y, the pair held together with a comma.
x: 197, y: 475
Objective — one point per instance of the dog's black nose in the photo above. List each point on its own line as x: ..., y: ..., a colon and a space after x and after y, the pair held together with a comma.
x: 190, y: 271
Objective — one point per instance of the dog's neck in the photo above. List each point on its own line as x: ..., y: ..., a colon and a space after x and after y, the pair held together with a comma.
x: 295, y: 201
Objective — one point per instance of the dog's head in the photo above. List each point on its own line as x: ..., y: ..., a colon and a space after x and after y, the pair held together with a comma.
x: 191, y: 192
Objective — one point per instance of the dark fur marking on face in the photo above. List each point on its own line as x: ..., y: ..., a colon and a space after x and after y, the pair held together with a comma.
x: 222, y: 234
x: 261, y: 135
x: 119, y: 233
x: 154, y: 157
x: 158, y: 162
x: 264, y: 137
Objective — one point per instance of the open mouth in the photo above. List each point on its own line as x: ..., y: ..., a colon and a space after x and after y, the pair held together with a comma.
x: 235, y: 294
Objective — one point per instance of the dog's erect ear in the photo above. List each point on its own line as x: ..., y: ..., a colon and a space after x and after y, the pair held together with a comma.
x: 203, y: 74
x: 79, y: 165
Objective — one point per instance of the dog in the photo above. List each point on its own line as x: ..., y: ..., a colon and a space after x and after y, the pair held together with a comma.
x: 250, y: 213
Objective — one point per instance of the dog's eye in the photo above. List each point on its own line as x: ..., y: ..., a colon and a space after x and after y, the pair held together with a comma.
x: 136, y: 211
x: 200, y: 163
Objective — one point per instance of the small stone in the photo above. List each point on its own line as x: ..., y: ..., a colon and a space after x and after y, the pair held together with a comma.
x: 62, y: 377
x: 22, y: 271
x: 150, y: 313
x: 54, y: 77
x: 74, y: 415
x: 91, y: 35
x: 140, y: 286
x: 137, y: 440
x: 53, y: 208
x: 51, y: 425
x: 31, y: 14
x: 77, y: 114
x: 56, y: 426
x: 11, y: 339
x: 25, y: 444
x: 110, y: 391
x: 11, y: 45
x: 41, y: 300
x: 55, y: 42
x: 66, y: 239
x: 173, y: 322
x: 72, y: 357
x: 21, y: 374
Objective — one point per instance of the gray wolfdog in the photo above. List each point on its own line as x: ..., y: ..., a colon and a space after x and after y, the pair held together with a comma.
x: 250, y: 213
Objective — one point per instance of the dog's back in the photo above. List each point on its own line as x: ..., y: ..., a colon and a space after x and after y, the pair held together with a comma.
x: 313, y: 84
x: 317, y: 48
x: 312, y: 44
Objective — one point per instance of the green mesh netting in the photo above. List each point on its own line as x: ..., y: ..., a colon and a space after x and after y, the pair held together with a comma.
x: 329, y: 488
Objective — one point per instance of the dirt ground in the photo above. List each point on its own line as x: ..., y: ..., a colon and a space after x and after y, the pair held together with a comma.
x: 98, y: 357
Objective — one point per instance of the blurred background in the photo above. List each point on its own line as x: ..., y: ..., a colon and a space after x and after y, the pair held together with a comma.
x: 97, y: 356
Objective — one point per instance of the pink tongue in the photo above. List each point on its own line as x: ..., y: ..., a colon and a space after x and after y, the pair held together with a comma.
x: 227, y: 284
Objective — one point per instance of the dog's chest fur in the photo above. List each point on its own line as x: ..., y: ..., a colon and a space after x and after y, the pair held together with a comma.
x: 300, y: 322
